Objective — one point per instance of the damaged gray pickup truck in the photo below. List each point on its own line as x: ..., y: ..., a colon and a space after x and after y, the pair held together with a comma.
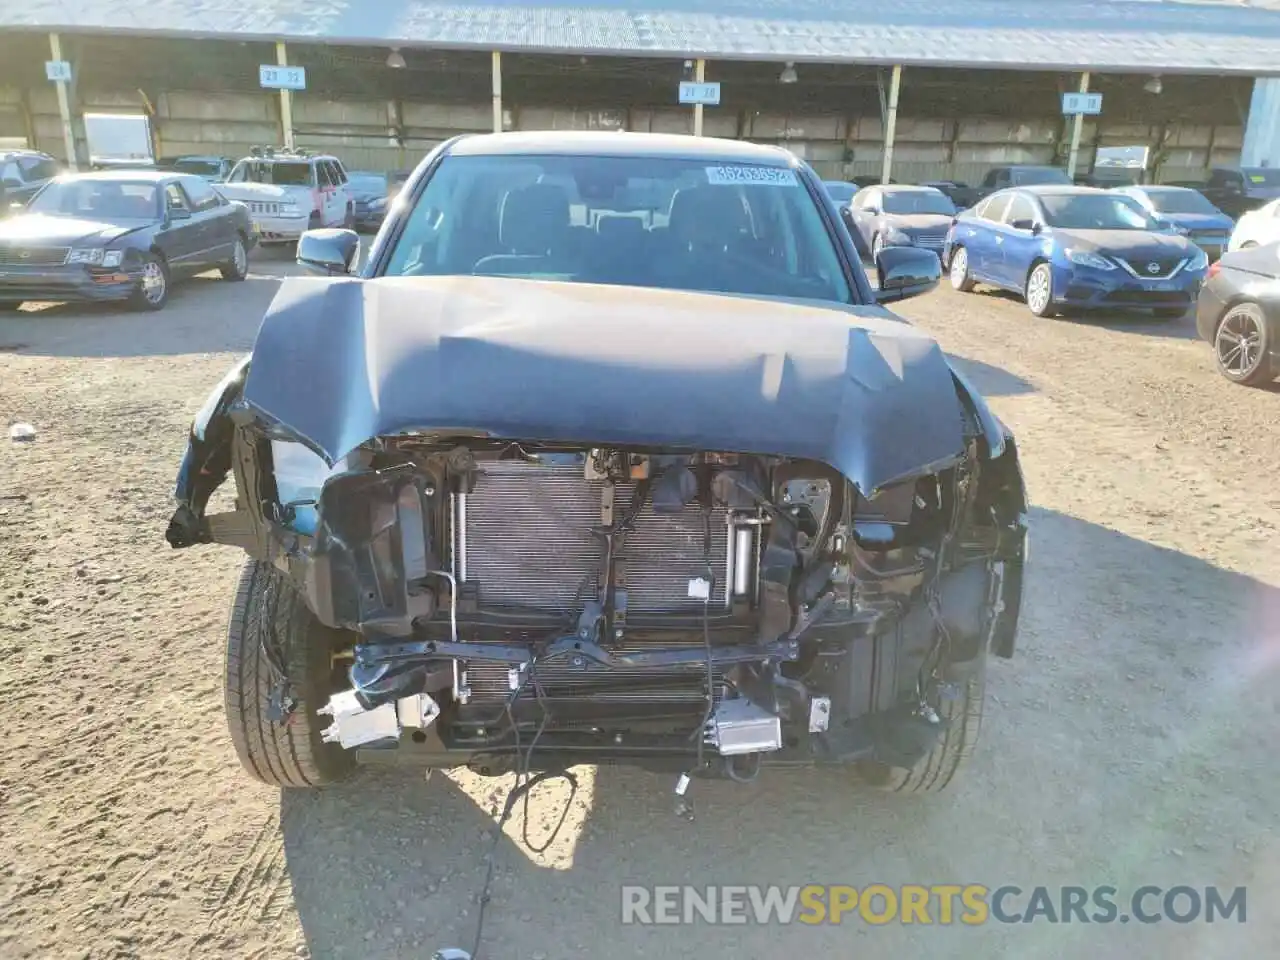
x: 609, y: 454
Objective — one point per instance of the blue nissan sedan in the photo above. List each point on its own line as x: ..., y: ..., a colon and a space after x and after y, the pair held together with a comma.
x: 1066, y: 247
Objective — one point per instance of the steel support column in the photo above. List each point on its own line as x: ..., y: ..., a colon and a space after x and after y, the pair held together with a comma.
x: 700, y: 75
x: 64, y: 106
x: 497, y: 91
x: 1077, y: 128
x: 891, y: 123
x: 286, y: 100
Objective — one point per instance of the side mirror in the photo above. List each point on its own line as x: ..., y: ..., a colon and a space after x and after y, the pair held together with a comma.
x: 179, y: 213
x: 870, y: 211
x: 1029, y: 225
x: 906, y: 272
x: 328, y: 251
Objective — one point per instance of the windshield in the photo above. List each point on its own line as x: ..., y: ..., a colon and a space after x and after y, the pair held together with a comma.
x: 1094, y: 212
x: 201, y: 168
x: 1180, y: 201
x: 97, y: 200
x: 1026, y: 176
x: 918, y: 201
x: 284, y: 173
x: 640, y: 221
x: 1263, y: 176
x: 840, y: 192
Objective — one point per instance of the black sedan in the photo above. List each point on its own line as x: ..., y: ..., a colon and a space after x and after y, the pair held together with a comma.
x: 900, y: 216
x: 120, y: 236
x: 1238, y: 312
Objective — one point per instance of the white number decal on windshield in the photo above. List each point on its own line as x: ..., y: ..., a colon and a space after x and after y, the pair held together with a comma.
x: 766, y: 176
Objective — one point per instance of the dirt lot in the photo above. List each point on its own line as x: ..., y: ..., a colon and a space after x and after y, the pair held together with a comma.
x: 1127, y: 744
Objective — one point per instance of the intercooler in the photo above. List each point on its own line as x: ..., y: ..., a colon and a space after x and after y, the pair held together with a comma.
x: 524, y: 539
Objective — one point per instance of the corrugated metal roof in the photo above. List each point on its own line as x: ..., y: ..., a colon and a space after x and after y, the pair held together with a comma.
x: 1190, y: 36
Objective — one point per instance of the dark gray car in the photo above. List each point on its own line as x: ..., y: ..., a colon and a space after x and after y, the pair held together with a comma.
x: 120, y: 236
x: 899, y: 216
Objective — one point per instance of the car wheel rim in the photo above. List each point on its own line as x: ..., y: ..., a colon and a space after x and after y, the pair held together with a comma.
x: 959, y: 267
x: 1038, y: 289
x: 1239, y: 342
x: 239, y: 259
x: 153, y: 282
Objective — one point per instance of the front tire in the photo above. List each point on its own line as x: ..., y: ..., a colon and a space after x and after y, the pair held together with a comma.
x: 153, y: 288
x: 237, y: 268
x: 270, y: 625
x: 958, y: 271
x: 1242, y: 346
x: 935, y: 771
x: 1039, y: 291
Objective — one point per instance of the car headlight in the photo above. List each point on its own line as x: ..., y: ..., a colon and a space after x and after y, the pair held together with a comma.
x: 290, y: 210
x: 86, y: 255
x: 898, y: 238
x: 112, y: 258
x: 378, y: 203
x: 1198, y: 261
x: 1086, y: 258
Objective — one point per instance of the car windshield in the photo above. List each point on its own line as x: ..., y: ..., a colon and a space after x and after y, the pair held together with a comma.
x: 840, y: 192
x: 281, y: 173
x: 641, y: 221
x: 1180, y: 201
x: 1026, y: 176
x: 200, y: 168
x: 909, y: 202
x: 1263, y: 176
x: 97, y: 200
x: 1094, y: 212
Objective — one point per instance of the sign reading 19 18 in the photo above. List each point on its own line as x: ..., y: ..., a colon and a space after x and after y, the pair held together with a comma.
x: 1086, y: 103
x: 282, y: 78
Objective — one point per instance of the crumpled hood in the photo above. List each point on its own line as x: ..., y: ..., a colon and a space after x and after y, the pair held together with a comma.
x: 39, y: 228
x: 913, y: 223
x: 1127, y: 243
x: 338, y: 361
x: 1200, y: 221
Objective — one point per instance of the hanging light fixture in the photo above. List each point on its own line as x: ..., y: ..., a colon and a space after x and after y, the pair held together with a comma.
x: 1154, y: 85
x: 788, y: 74
x: 395, y: 59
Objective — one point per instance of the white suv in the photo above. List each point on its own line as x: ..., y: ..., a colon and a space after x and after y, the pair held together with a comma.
x: 290, y: 192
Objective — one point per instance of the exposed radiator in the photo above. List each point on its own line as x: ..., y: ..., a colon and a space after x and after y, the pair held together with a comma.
x: 524, y: 539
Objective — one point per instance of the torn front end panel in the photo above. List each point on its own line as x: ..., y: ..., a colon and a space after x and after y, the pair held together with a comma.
x: 641, y: 605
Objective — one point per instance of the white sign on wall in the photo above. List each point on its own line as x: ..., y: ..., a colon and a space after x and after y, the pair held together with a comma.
x: 275, y: 77
x: 1087, y: 103
x: 707, y: 94
x: 58, y: 70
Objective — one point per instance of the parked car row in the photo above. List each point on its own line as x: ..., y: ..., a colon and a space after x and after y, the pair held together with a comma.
x: 1064, y: 247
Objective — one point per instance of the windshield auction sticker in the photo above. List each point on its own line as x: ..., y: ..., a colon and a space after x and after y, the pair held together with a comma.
x: 751, y: 176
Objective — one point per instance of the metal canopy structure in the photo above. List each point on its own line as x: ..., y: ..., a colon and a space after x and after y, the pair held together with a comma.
x: 1167, y: 36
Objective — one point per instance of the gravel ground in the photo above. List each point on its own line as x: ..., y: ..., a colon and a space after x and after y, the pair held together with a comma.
x: 1124, y: 744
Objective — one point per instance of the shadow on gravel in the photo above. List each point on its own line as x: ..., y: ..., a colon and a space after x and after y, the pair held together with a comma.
x: 1135, y: 321
x: 204, y: 315
x: 1120, y: 747
x: 991, y: 381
